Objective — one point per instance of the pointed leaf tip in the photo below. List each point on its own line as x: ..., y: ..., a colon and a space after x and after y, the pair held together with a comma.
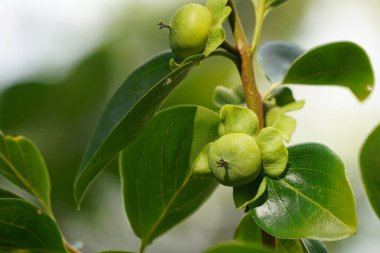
x: 130, y: 108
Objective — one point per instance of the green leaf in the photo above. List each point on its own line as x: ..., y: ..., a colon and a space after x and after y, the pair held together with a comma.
x: 313, y: 200
x: 276, y: 117
x: 289, y: 246
x: 4, y: 194
x: 159, y: 188
x: 276, y: 57
x: 22, y: 163
x: 128, y: 111
x: 247, y: 230
x: 370, y: 168
x: 238, y: 247
x: 274, y: 3
x: 247, y: 194
x: 217, y: 35
x: 341, y: 63
x: 313, y: 246
x: 223, y: 96
x: 25, y: 227
x: 283, y: 96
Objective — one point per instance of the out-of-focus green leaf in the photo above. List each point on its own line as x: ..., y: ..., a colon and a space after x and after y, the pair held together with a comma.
x: 22, y: 163
x: 158, y: 185
x: 128, y: 111
x: 289, y: 246
x: 276, y: 57
x: 283, y: 96
x: 313, y: 200
x: 48, y: 109
x: 276, y: 117
x: 341, y: 63
x: 268, y: 5
x: 313, y: 246
x: 4, y: 194
x: 370, y: 168
x: 247, y: 230
x: 25, y: 227
x: 238, y: 247
x: 223, y: 96
x: 113, y: 251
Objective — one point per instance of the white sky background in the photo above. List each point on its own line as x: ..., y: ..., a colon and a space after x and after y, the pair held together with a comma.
x: 57, y: 33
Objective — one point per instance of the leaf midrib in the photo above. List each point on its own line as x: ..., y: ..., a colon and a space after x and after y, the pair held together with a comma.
x: 24, y: 180
x: 312, y: 201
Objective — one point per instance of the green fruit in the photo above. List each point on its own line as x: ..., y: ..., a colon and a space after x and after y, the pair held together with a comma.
x: 189, y: 30
x: 235, y: 159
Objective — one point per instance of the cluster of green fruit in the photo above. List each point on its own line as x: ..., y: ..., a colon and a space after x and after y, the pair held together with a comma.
x: 242, y: 152
x: 196, y: 29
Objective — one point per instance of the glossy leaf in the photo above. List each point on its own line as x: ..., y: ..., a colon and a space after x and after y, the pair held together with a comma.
x: 22, y: 163
x: 276, y: 117
x: 313, y: 246
x: 341, y: 63
x: 159, y: 188
x: 238, y: 247
x: 313, y: 200
x: 276, y: 57
x: 289, y: 246
x: 247, y: 230
x: 217, y: 35
x: 370, y: 168
x: 25, y: 227
x: 128, y: 111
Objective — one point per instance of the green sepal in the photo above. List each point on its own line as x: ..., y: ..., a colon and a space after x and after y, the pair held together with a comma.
x: 194, y: 58
x: 200, y: 165
x: 276, y: 117
x: 247, y: 194
x: 237, y: 119
x: 273, y: 151
x: 217, y: 35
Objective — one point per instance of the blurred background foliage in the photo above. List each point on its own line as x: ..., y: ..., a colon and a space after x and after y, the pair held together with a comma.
x: 59, y: 108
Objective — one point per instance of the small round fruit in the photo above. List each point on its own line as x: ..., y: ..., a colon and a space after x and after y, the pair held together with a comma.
x: 235, y: 159
x: 189, y: 30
